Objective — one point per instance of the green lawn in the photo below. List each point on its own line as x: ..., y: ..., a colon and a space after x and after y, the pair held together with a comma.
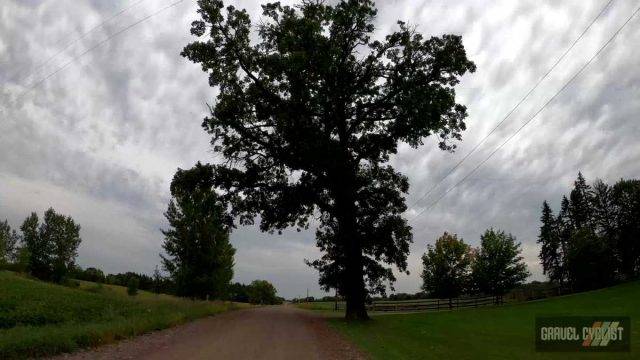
x: 505, y: 332
x: 38, y: 318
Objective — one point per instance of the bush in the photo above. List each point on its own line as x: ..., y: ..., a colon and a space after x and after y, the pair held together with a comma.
x: 262, y: 292
x: 132, y: 286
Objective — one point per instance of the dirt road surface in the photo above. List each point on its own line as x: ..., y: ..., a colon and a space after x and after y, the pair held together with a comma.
x: 273, y: 332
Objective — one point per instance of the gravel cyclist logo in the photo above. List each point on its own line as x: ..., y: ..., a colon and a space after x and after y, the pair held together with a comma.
x: 583, y: 333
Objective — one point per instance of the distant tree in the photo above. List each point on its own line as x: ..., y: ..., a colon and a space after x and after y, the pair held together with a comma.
x: 51, y: 246
x: 598, y: 219
x: 158, y: 281
x: 590, y: 262
x: 307, y: 117
x: 62, y: 235
x: 9, y: 240
x: 21, y: 263
x: 447, y: 267
x: 94, y: 275
x: 603, y: 210
x: 551, y: 255
x: 580, y: 203
x: 498, y: 266
x: 132, y: 286
x: 262, y: 292
x: 566, y: 229
x: 626, y: 201
x: 239, y: 292
x: 199, y: 256
x: 39, y: 250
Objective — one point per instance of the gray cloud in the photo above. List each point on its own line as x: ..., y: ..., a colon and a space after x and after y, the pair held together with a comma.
x: 101, y: 139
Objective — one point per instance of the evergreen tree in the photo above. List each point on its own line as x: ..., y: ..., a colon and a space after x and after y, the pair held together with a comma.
x: 199, y: 254
x: 498, y: 266
x: 626, y: 201
x: 308, y: 113
x: 447, y: 267
x: 603, y: 211
x: 565, y: 231
x: 580, y: 203
x: 589, y: 260
x: 550, y: 246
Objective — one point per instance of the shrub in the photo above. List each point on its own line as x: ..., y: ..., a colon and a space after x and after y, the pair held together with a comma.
x: 132, y: 286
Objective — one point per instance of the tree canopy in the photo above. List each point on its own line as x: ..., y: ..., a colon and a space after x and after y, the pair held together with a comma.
x: 498, y: 266
x: 9, y: 241
x: 593, y: 241
x: 262, y: 292
x: 52, y: 246
x: 447, y: 267
x: 199, y: 256
x: 309, y: 109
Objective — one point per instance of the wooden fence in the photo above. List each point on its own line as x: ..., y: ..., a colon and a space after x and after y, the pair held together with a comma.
x: 431, y: 304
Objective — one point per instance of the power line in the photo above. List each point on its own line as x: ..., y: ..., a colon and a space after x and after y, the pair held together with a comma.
x: 536, y: 113
x: 526, y: 96
x: 82, y: 36
x: 34, y: 85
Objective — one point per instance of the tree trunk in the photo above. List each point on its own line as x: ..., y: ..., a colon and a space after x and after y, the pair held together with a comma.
x: 354, y: 288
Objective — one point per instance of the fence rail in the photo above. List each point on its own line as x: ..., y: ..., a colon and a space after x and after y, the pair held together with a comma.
x: 431, y: 304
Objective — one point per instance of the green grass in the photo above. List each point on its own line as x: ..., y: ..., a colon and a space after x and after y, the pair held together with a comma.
x: 324, y: 306
x: 505, y: 332
x: 38, y: 319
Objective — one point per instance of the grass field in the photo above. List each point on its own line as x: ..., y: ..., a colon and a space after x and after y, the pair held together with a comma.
x: 505, y: 332
x: 38, y: 318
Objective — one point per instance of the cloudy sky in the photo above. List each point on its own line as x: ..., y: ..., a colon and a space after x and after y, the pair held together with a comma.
x: 97, y: 128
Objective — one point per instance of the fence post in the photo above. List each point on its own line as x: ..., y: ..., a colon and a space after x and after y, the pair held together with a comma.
x: 475, y: 302
x: 450, y: 304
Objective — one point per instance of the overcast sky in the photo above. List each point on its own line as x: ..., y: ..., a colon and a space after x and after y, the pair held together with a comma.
x: 101, y: 138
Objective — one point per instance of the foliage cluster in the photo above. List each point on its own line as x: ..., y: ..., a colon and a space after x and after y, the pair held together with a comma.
x: 198, y: 254
x: 307, y: 115
x: 453, y: 268
x: 594, y: 241
x: 257, y: 292
x: 46, y: 250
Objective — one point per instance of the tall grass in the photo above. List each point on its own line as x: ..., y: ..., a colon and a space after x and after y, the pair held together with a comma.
x: 39, y: 319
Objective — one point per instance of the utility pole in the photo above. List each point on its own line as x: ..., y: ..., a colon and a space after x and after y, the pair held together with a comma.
x: 307, y: 294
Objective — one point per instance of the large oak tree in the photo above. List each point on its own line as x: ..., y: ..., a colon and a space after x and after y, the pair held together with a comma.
x: 309, y: 109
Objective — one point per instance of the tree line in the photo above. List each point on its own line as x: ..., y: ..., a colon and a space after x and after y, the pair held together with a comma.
x: 453, y: 268
x: 594, y: 240
x: 198, y: 257
x: 47, y: 250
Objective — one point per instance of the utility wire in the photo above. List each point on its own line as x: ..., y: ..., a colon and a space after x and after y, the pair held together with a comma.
x: 34, y: 85
x: 537, y: 112
x: 526, y: 96
x: 82, y: 36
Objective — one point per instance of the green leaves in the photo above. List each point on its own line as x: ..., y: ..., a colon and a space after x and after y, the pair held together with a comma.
x: 199, y: 256
x: 498, y: 266
x: 51, y: 246
x: 309, y: 110
x: 446, y: 272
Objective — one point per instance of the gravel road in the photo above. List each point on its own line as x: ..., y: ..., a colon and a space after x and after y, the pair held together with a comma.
x: 272, y: 332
